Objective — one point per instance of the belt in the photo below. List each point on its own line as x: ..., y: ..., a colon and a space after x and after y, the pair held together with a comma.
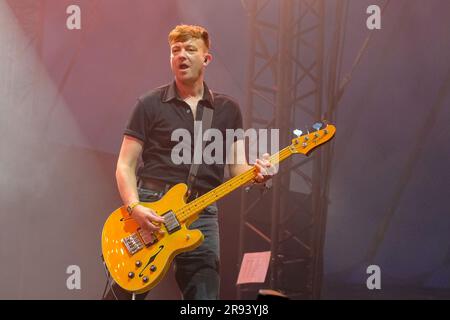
x: 154, y: 185
x: 162, y: 187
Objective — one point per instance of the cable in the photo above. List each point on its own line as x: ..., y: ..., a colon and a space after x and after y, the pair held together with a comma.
x: 108, y: 280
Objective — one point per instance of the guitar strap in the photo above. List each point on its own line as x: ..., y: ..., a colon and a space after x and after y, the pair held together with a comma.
x: 207, y: 115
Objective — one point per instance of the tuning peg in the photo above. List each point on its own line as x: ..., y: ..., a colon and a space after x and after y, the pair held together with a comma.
x: 317, y: 126
x: 325, y: 122
x: 298, y: 132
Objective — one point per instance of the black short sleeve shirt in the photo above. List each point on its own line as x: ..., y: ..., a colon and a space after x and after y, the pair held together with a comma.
x: 158, y: 113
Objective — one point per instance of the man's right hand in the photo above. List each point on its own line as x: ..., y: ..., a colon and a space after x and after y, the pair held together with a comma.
x: 147, y: 218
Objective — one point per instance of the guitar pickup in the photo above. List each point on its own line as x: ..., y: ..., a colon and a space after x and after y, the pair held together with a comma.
x: 171, y: 222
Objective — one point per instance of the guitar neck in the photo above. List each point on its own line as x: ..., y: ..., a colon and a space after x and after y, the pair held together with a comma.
x: 225, y: 188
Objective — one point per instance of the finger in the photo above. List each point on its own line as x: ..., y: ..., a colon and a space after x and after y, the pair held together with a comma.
x: 262, y: 161
x: 151, y: 227
x: 154, y: 217
x: 157, y: 218
x: 265, y: 161
x: 264, y: 172
x: 259, y: 177
x: 266, y: 156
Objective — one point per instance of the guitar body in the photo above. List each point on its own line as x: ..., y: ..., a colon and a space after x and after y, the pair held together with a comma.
x: 138, y: 265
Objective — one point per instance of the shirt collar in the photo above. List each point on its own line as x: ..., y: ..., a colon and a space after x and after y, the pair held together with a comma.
x: 171, y: 93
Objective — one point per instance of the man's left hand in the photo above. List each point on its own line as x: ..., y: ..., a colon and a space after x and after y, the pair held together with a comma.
x: 264, y: 169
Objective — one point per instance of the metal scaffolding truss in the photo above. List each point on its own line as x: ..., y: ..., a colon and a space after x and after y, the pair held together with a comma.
x: 285, y: 87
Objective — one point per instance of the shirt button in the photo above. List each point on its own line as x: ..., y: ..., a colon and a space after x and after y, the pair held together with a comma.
x: 188, y: 110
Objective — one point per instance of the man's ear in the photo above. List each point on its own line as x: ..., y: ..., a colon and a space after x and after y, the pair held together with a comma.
x: 207, y: 59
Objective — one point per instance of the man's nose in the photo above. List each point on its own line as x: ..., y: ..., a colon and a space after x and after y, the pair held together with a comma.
x: 182, y: 53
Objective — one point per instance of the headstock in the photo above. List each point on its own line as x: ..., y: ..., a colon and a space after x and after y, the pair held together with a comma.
x: 320, y: 134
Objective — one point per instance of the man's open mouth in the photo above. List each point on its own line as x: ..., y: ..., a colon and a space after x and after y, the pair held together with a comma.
x: 183, y: 66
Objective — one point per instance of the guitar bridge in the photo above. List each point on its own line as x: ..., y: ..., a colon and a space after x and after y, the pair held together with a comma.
x: 133, y: 243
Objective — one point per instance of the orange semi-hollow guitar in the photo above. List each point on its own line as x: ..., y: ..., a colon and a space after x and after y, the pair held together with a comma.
x: 138, y: 261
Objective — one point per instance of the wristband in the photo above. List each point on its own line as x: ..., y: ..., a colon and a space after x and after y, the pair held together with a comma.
x: 131, y: 206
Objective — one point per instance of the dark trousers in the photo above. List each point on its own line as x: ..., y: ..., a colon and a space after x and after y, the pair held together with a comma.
x: 197, y: 271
